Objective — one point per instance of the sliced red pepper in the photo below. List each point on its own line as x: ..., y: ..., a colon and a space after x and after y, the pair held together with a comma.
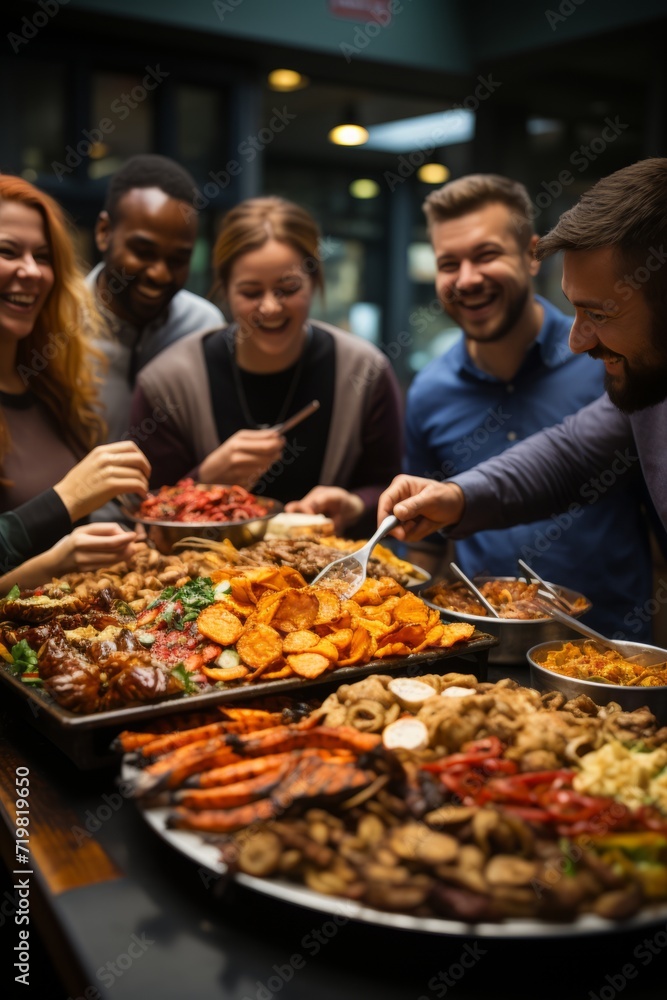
x: 532, y: 814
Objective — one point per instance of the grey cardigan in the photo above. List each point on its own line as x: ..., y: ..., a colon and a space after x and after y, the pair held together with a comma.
x: 178, y: 382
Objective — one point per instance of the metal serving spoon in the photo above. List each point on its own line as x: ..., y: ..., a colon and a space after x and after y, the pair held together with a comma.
x: 457, y: 571
x: 649, y: 656
x: 346, y: 575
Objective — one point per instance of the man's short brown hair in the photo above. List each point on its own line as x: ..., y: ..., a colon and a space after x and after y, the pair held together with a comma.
x: 467, y: 194
x: 626, y: 211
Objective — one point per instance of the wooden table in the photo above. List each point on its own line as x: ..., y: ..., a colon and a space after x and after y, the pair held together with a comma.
x: 123, y: 916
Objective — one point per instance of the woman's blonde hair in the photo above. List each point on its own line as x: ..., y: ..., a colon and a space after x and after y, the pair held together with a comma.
x: 252, y: 223
x: 57, y: 359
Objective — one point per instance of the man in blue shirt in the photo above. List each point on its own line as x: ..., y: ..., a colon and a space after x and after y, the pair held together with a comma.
x: 510, y: 375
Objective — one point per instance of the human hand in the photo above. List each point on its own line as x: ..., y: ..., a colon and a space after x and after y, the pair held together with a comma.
x: 422, y: 505
x: 107, y: 471
x: 89, y: 547
x: 243, y: 458
x: 342, y: 507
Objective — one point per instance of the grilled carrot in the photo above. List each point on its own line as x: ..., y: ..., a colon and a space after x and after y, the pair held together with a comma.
x: 221, y: 820
x: 228, y: 796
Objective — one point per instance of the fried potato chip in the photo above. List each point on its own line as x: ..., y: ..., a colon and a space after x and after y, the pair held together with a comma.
x: 374, y: 627
x: 326, y: 648
x: 242, y: 590
x: 410, y: 635
x: 297, y: 610
x: 432, y: 638
x: 226, y: 673
x: 278, y: 675
x: 267, y: 606
x: 259, y: 646
x: 376, y: 613
x: 216, y: 622
x: 393, y: 649
x: 239, y: 608
x: 344, y: 621
x: 369, y: 592
x: 410, y: 608
x: 362, y: 647
x: 308, y: 664
x: 329, y: 605
x: 455, y: 632
x: 341, y: 639
x: 291, y: 577
x: 299, y: 642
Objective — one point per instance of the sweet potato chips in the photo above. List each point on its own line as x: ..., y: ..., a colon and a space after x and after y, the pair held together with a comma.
x: 282, y: 628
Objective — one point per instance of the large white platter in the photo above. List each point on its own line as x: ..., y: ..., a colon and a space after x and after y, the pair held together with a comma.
x: 193, y: 846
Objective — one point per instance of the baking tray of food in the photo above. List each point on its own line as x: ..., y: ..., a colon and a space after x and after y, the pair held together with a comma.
x: 86, y: 738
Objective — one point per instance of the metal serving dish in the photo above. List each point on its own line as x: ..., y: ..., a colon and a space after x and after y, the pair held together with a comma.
x: 165, y: 534
x: 86, y: 738
x: 515, y: 637
x: 629, y: 698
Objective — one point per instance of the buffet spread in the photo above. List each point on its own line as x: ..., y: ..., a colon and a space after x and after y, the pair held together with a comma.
x: 391, y: 780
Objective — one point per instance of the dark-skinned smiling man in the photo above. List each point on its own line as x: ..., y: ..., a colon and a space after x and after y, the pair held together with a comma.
x: 146, y: 234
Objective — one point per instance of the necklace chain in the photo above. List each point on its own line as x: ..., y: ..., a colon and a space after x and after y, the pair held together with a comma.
x: 240, y: 391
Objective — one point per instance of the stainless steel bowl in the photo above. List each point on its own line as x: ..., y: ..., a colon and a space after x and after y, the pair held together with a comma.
x: 628, y: 698
x: 515, y: 637
x: 165, y: 534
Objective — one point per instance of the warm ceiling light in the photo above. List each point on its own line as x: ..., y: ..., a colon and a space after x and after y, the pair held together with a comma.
x: 433, y: 173
x: 287, y: 79
x: 364, y: 187
x: 348, y: 135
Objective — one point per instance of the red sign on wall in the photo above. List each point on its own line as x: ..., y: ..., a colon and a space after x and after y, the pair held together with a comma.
x: 362, y: 10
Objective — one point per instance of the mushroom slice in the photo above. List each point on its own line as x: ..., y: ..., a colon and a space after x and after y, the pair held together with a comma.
x: 406, y: 734
x: 410, y: 694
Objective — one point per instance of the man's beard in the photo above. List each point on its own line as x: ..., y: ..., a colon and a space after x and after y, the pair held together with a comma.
x: 512, y: 316
x: 640, y: 388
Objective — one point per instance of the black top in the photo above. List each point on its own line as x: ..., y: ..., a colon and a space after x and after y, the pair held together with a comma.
x: 265, y: 395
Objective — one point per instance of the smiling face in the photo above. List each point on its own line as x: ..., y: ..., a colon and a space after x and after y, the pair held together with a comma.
x: 147, y: 253
x: 615, y: 324
x: 26, y: 271
x: 483, y: 275
x: 269, y: 296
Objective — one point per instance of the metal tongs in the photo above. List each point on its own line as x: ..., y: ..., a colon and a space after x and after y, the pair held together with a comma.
x: 457, y: 571
x: 552, y: 593
x: 346, y: 575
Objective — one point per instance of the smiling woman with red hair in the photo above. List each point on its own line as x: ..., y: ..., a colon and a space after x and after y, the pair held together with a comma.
x: 49, y: 417
x: 48, y: 401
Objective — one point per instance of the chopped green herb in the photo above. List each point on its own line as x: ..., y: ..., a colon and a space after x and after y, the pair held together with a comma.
x: 166, y: 594
x: 196, y: 594
x: 182, y: 675
x: 24, y: 658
